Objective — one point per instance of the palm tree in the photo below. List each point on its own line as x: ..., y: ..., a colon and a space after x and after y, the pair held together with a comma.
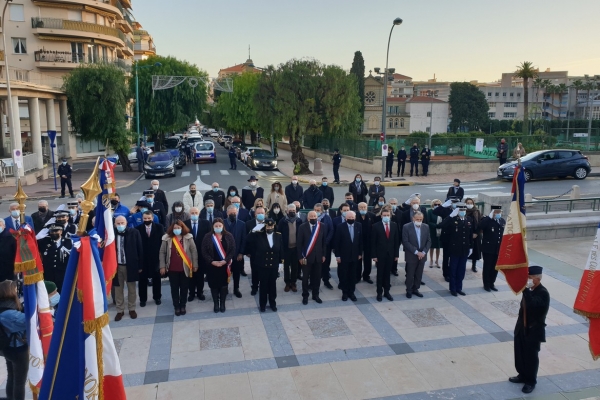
x: 578, y: 85
x: 538, y: 84
x: 526, y: 71
x: 561, y: 89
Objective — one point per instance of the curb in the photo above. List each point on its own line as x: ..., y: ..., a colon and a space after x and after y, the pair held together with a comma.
x: 132, y: 182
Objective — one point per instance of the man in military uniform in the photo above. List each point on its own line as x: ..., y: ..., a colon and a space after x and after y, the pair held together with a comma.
x: 62, y: 219
x: 65, y: 171
x: 530, y: 330
x: 156, y: 207
x: 492, y: 228
x: 425, y: 157
x: 267, y: 251
x: 414, y: 159
x: 55, y: 251
x: 460, y: 243
x: 444, y: 211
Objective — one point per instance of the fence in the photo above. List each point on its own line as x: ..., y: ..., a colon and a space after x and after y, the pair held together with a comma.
x: 567, y: 205
x: 29, y: 164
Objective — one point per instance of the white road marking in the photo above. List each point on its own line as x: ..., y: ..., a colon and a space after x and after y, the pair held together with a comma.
x: 197, y: 167
x: 199, y: 186
x: 474, y: 188
x: 462, y: 186
x: 243, y: 172
x: 277, y: 173
x: 261, y: 173
x: 185, y: 173
x: 224, y: 172
x: 205, y: 172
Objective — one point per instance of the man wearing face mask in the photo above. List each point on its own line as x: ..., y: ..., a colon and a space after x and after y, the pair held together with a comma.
x: 156, y: 207
x: 455, y: 191
x: 326, y: 190
x: 425, y: 158
x: 65, y: 171
x: 136, y: 218
x: 327, y: 209
x: 460, y: 243
x: 118, y: 208
x: 216, y: 195
x: 130, y: 264
x: 13, y: 221
x: 444, y: 212
x: 530, y: 330
x: 311, y: 254
x: 79, y: 213
x: 385, y: 248
x: 55, y: 251
x: 288, y: 227
x: 358, y: 190
x: 62, y: 218
x: 312, y: 195
x: 349, y: 200
x: 243, y: 214
x: 492, y: 228
x: 198, y: 228
x: 8, y: 250
x: 325, y: 219
x: 159, y: 194
x: 401, y: 161
x: 41, y: 216
x: 191, y: 199
x: 414, y: 159
x: 255, y: 224
x: 408, y: 215
x: 210, y: 212
x: 294, y: 192
x: 151, y: 236
x: 376, y: 190
x: 417, y: 242
x: 337, y: 160
x: 238, y: 229
x: 53, y: 295
x: 348, y: 244
x: 366, y: 220
x: 252, y: 192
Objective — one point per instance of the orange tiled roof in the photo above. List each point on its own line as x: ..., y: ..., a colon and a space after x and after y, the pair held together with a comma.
x: 425, y: 99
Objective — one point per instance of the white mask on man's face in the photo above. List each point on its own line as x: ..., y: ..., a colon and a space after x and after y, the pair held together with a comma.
x: 418, y: 224
x: 415, y: 206
x: 154, y: 187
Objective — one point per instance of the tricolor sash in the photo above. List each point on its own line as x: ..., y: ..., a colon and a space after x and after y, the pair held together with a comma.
x: 313, y: 240
x: 184, y: 257
x: 221, y: 252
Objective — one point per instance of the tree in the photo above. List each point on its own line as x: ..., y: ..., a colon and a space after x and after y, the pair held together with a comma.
x: 468, y: 106
x: 578, y: 85
x: 526, y: 71
x: 358, y: 70
x: 238, y: 109
x: 97, y: 97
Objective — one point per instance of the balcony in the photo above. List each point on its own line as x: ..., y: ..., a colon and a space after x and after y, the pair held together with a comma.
x: 68, y: 60
x: 145, y: 47
x: 22, y: 76
x: 54, y: 26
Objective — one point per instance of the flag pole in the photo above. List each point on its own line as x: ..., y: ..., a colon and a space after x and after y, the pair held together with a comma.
x: 20, y: 197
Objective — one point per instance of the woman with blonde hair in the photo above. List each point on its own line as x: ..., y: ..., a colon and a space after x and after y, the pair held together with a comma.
x: 434, y: 233
x: 519, y: 151
x: 257, y: 203
x: 276, y: 195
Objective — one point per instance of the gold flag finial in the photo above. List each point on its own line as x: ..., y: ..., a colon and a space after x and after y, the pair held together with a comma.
x: 91, y: 189
x: 20, y: 197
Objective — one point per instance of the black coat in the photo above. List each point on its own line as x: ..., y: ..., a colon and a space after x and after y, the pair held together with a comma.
x: 311, y: 197
x: 238, y: 230
x: 39, y: 222
x: 250, y: 225
x: 358, y: 198
x: 8, y: 250
x: 381, y: 246
x: 151, y: 246
x: 425, y: 156
x: 284, y: 229
x: 64, y: 170
x: 216, y: 214
x: 537, y: 303
x: 264, y: 255
x: 389, y: 160
x: 460, y: 235
x: 318, y: 252
x: 374, y: 193
x: 248, y: 198
x: 327, y: 194
x: 294, y: 194
x: 406, y: 218
x: 89, y: 226
x: 460, y: 193
x: 414, y: 153
x: 204, y: 227
x: 366, y: 227
x: 218, y: 197
x: 402, y: 155
x: 345, y: 248
x: 160, y: 196
x: 134, y: 254
x: 492, y: 230
x: 159, y: 210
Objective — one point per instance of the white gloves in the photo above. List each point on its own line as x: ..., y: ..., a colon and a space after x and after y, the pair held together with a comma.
x: 454, y: 213
x: 491, y: 216
x: 447, y: 204
x: 280, y: 268
x: 470, y: 252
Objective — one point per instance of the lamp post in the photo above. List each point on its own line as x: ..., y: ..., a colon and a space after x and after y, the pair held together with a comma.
x: 137, y: 97
x: 430, y: 94
x: 397, y: 21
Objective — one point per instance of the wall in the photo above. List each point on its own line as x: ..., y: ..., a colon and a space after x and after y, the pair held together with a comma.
x: 419, y: 121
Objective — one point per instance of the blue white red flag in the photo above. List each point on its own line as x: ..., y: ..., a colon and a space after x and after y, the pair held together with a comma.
x: 512, y: 257
x: 104, y: 221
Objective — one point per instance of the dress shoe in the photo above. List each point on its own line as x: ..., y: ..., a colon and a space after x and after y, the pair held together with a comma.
x: 317, y: 299
x: 388, y: 296
x: 353, y: 297
x: 395, y: 273
x: 142, y: 304
x: 339, y: 286
x: 133, y: 314
x: 201, y: 296
x: 253, y: 292
x: 379, y: 298
x: 487, y: 289
x: 494, y: 288
x: 243, y: 273
x: 408, y: 295
x: 274, y: 308
x: 190, y: 298
x: 183, y: 311
x: 294, y: 288
x: 305, y: 300
x: 119, y: 316
x: 263, y: 309
x: 344, y: 298
x: 237, y: 293
x: 328, y: 285
x: 158, y: 302
x: 474, y: 268
x: 287, y: 288
x: 177, y: 312
x: 461, y: 293
x: 528, y: 388
x: 453, y: 293
x: 515, y: 379
x: 417, y: 293
x: 368, y: 280
x: 422, y: 283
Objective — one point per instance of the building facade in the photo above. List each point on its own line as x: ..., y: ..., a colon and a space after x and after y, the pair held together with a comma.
x: 144, y: 43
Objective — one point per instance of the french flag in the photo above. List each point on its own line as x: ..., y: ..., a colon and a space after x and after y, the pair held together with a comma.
x: 82, y: 362
x: 512, y: 258
x: 587, y: 302
x: 104, y: 221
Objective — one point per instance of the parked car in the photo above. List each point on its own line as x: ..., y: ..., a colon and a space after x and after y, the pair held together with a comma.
x: 222, y: 139
x: 556, y: 163
x: 191, y: 139
x: 247, y: 151
x: 261, y: 159
x: 238, y: 145
x: 132, y: 156
x: 160, y: 163
x: 205, y: 151
x: 172, y: 142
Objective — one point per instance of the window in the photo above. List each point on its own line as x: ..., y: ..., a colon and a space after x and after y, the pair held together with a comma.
x: 510, y: 115
x: 370, y: 97
x: 77, y: 52
x: 373, y: 124
x: 492, y: 104
x: 518, y: 94
x: 565, y: 154
x: 429, y: 113
x: 390, y: 123
x: 492, y: 115
x: 19, y: 45
x: 401, y: 122
x: 427, y: 129
x: 74, y: 15
x: 489, y: 94
x: 17, y: 12
x: 396, y: 123
x: 512, y: 95
x: 510, y: 105
x: 504, y: 94
x: 497, y: 94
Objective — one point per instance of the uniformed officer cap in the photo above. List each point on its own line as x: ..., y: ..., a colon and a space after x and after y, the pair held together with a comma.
x: 453, y: 199
x: 496, y: 207
x: 55, y: 228
x: 269, y: 222
x: 64, y: 159
x: 457, y: 180
x: 142, y: 203
x: 535, y: 270
x: 73, y: 204
x: 61, y: 213
x: 461, y: 205
x: 148, y: 192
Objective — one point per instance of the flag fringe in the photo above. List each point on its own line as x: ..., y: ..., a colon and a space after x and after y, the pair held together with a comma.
x: 586, y: 314
x: 33, y: 279
x: 34, y: 389
x: 96, y: 324
x: 595, y: 357
x: 24, y: 266
x: 513, y: 266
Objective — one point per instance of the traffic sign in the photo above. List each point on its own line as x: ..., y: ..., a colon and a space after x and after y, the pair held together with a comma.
x: 382, y: 137
x: 580, y: 135
x: 384, y: 150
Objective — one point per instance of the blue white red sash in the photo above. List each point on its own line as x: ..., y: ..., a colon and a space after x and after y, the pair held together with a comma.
x: 222, y: 254
x: 313, y: 240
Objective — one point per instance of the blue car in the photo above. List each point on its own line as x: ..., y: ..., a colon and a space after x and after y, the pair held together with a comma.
x: 159, y: 164
x: 557, y: 163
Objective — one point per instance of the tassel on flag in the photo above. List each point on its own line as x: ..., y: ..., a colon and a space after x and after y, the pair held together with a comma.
x: 104, y: 221
x: 587, y: 302
x: 512, y: 257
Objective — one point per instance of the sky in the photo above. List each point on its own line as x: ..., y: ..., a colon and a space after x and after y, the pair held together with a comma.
x: 455, y: 40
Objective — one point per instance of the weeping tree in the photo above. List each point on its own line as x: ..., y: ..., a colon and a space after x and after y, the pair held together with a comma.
x: 238, y: 109
x: 97, y: 96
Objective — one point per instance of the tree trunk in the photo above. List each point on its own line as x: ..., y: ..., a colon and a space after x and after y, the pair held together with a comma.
x: 301, y: 165
x: 124, y: 158
x: 253, y: 137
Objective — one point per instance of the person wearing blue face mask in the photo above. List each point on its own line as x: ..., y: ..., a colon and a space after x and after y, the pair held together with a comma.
x: 156, y: 207
x: 130, y: 263
x: 326, y: 190
x: 492, y: 228
x: 198, y: 228
x: 218, y: 251
x: 53, y: 295
x: 255, y: 224
x: 137, y: 214
x: 460, y: 230
x: 8, y: 250
x: 65, y: 171
x: 55, y: 251
x: 210, y: 212
x: 217, y: 195
x: 14, y: 220
x: 358, y: 189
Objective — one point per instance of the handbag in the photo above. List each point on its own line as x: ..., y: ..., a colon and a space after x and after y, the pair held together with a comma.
x: 498, y: 155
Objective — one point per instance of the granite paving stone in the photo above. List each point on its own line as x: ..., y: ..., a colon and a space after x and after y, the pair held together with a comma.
x: 426, y: 317
x: 328, y: 327
x: 221, y: 338
x: 508, y: 307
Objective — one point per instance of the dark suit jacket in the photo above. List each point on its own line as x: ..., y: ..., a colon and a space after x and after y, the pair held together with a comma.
x: 345, y: 248
x: 216, y: 214
x: 460, y: 193
x: 218, y: 197
x: 8, y: 221
x: 410, y: 242
x: 381, y: 246
x: 134, y: 254
x: 293, y: 195
x: 358, y: 198
x: 250, y: 225
x: 38, y: 222
x: 367, y: 226
x: 406, y: 218
x: 8, y: 250
x: 284, y: 229
x: 159, y: 210
x: 248, y: 198
x: 244, y: 215
x: 374, y: 193
x: 204, y: 227
x: 327, y: 193
x: 304, y: 234
x: 151, y: 245
x: 537, y: 303
x: 159, y: 195
x: 264, y: 255
x: 238, y: 230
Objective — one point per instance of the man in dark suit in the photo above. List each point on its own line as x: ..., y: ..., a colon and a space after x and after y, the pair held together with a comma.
x: 385, y: 246
x: 238, y: 229
x: 251, y: 192
x: 243, y: 214
x: 312, y: 195
x: 130, y: 263
x: 375, y: 191
x: 159, y: 194
x: 327, y: 208
x: 414, y: 159
x: 198, y: 228
x: 455, y: 191
x: 8, y: 250
x: 41, y: 216
x: 14, y: 220
x: 311, y: 254
x: 289, y: 227
x: 530, y: 330
x: 417, y: 242
x: 151, y: 235
x: 326, y: 190
x: 492, y: 228
x: 156, y: 207
x: 460, y: 243
x: 209, y: 212
x: 401, y: 161
x: 444, y: 212
x: 294, y: 192
x: 365, y: 219
x: 348, y: 254
x: 218, y: 196
x: 325, y: 219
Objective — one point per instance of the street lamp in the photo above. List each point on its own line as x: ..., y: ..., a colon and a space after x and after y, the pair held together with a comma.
x: 137, y: 96
x: 430, y: 94
x: 397, y: 21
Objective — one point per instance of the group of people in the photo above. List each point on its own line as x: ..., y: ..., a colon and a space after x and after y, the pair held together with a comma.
x: 502, y: 151
x: 414, y: 155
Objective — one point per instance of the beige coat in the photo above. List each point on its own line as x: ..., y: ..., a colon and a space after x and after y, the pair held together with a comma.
x: 275, y: 197
x: 189, y: 247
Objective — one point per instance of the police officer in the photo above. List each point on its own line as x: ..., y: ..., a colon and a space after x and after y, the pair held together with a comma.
x: 460, y: 242
x: 65, y: 171
x: 444, y: 211
x: 401, y: 161
x: 492, y: 228
x: 425, y: 157
x: 232, y: 158
x: 414, y: 159
x: 156, y: 207
x: 337, y: 159
x: 267, y: 252
x: 62, y: 219
x: 55, y: 251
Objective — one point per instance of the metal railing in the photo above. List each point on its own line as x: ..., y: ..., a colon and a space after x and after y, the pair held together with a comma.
x: 77, y: 58
x: 567, y: 205
x: 29, y: 164
x: 144, y: 47
x: 55, y: 23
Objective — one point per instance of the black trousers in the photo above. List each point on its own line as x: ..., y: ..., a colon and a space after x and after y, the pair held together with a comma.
x: 388, y: 168
x: 179, y: 288
x: 367, y: 264
x: 326, y: 266
x: 401, y: 165
x: 425, y: 167
x: 255, y: 275
x: 336, y: 174
x: 140, y: 163
x: 414, y: 164
x: 268, y: 286
x: 233, y: 163
x: 489, y: 270
x: 64, y: 182
x: 143, y: 285
x: 446, y: 260
x: 502, y: 160
x: 290, y: 266
x: 236, y: 271
x: 196, y: 283
x: 312, y: 272
x: 527, y: 359
x: 55, y: 275
x: 384, y: 270
x: 17, y: 365
x: 347, y: 273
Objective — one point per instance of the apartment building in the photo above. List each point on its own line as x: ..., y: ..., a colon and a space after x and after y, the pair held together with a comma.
x: 144, y: 43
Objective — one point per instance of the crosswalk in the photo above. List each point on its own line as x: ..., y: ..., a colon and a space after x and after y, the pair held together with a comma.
x: 471, y: 189
x: 224, y: 172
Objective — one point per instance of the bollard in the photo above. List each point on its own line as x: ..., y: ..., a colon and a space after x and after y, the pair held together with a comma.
x: 575, y: 192
x: 318, y: 167
x: 528, y: 197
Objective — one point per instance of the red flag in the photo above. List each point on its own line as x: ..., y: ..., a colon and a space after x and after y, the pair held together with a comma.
x: 104, y: 222
x: 587, y: 302
x: 512, y: 258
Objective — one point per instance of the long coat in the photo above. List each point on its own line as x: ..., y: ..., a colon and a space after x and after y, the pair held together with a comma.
x: 318, y: 252
x: 189, y: 248
x: 537, y: 303
x: 151, y: 246
x: 217, y: 276
x: 134, y: 254
x: 358, y: 198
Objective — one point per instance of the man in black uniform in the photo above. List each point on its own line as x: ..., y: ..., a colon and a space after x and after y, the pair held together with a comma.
x: 337, y: 159
x: 530, y: 330
x: 65, y: 171
x: 159, y: 194
x: 444, y: 211
x: 156, y: 207
x: 218, y: 196
x: 425, y: 157
x: 460, y: 242
x: 55, y: 252
x: 492, y: 227
x: 414, y: 159
x: 151, y: 235
x: 401, y: 161
x: 267, y: 251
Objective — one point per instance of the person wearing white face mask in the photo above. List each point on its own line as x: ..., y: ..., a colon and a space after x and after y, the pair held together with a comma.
x: 416, y: 241
x: 65, y: 171
x: 425, y: 158
x: 294, y: 192
x: 376, y: 190
x: 408, y: 215
x: 251, y: 192
x: 492, y: 229
x: 159, y: 194
x: 177, y: 213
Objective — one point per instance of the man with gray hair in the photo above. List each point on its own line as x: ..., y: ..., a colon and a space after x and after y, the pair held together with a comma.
x: 288, y: 227
x: 41, y: 216
x: 130, y: 263
x: 311, y: 254
x: 417, y: 242
x: 312, y: 195
x: 209, y: 212
x: 13, y: 221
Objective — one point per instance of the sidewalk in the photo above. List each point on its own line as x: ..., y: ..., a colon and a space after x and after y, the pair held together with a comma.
x: 286, y: 166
